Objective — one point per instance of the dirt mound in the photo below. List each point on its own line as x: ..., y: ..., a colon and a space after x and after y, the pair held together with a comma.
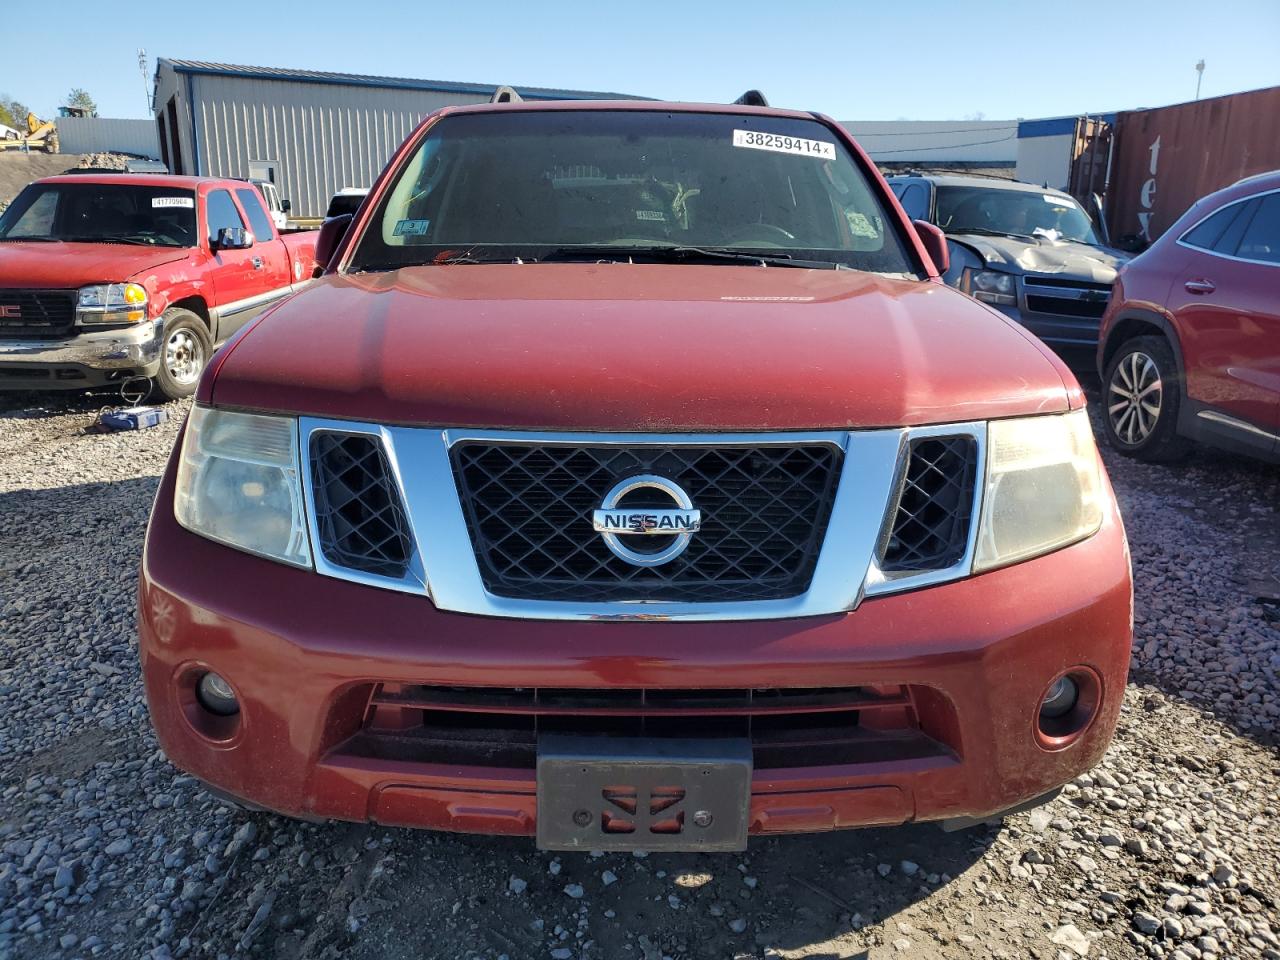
x: 18, y: 169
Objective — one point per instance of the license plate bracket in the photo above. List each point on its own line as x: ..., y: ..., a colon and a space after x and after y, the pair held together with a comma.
x: 607, y: 793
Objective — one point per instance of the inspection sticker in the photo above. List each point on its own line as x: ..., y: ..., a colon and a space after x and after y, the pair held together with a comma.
x: 781, y: 144
x: 411, y: 228
x: 173, y: 202
x: 1055, y: 201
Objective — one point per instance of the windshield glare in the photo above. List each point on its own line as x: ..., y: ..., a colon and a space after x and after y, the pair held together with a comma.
x: 1021, y: 212
x: 102, y: 213
x: 529, y: 184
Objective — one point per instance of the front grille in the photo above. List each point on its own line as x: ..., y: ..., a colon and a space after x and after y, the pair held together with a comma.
x: 37, y: 313
x: 787, y: 727
x: 359, y: 514
x: 1042, y: 297
x: 529, y: 508
x: 1064, y: 307
x: 930, y: 529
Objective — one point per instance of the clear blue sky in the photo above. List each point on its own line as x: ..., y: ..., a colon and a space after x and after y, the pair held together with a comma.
x: 917, y: 60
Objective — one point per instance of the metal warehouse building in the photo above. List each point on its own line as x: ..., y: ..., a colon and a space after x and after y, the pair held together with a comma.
x: 309, y: 132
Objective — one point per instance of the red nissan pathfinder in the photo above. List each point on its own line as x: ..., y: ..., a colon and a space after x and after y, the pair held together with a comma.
x: 631, y: 481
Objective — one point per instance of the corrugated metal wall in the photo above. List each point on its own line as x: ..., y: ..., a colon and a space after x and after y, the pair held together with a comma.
x: 322, y: 137
x: 100, y: 134
x: 1166, y: 159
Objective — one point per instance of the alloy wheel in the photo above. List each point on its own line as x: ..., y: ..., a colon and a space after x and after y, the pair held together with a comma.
x: 1135, y: 395
x: 183, y: 356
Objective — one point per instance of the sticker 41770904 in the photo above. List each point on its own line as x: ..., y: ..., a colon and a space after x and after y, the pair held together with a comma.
x: 161, y: 202
x: 780, y: 143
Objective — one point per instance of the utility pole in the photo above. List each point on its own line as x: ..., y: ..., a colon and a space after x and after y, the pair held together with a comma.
x: 146, y: 81
x: 1199, y: 76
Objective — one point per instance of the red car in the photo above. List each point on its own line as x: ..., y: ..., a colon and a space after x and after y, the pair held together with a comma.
x: 117, y: 279
x: 1190, y: 345
x: 631, y: 480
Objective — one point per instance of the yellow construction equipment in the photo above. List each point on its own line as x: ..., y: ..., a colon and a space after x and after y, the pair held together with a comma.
x: 40, y: 135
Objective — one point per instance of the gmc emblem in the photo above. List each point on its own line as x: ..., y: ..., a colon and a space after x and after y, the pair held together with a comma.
x: 10, y: 311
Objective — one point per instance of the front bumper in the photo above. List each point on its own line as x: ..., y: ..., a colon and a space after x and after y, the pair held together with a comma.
x: 304, y: 653
x: 92, y: 358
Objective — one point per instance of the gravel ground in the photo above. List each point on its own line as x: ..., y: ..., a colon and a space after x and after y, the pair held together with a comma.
x: 1171, y: 848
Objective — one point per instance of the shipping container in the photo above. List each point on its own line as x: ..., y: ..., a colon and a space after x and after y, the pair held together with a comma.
x: 1167, y: 158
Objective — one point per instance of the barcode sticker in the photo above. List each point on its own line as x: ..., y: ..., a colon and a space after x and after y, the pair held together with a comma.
x: 778, y: 143
x: 172, y: 202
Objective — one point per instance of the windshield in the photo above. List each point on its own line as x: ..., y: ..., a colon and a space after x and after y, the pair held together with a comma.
x: 1022, y: 213
x: 102, y: 213
x: 630, y: 184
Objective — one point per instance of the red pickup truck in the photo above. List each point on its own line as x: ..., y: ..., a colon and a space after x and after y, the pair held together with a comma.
x: 632, y: 481
x: 105, y: 279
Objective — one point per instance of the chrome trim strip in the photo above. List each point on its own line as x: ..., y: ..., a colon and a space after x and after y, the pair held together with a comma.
x: 879, y: 582
x: 1226, y: 256
x: 1221, y: 418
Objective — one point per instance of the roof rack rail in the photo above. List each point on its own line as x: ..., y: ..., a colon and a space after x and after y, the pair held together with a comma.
x: 752, y: 98
x: 505, y: 94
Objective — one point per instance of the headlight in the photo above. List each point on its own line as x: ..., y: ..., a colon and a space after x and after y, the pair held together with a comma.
x: 992, y: 286
x: 112, y: 303
x: 238, y: 483
x: 1043, y: 490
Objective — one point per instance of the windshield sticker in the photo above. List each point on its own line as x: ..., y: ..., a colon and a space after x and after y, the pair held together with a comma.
x: 1057, y: 201
x: 650, y: 215
x: 860, y: 226
x: 157, y: 202
x: 411, y: 228
x: 780, y: 144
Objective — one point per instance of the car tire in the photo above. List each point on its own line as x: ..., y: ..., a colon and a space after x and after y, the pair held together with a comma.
x: 1141, y: 392
x: 185, y: 348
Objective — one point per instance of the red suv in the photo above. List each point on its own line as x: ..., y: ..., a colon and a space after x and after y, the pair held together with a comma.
x: 1190, y: 345
x: 631, y: 480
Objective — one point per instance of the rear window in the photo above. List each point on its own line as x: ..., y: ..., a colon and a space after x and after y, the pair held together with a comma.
x: 528, y: 184
x: 102, y: 213
x: 259, y: 222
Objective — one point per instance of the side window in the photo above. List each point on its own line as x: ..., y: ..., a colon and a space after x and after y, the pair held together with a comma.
x: 222, y: 212
x: 259, y: 222
x: 1261, y: 240
x: 915, y: 200
x: 1206, y: 235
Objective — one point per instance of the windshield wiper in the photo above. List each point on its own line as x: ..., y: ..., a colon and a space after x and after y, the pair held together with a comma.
x: 684, y: 255
x: 31, y: 239
x: 135, y: 241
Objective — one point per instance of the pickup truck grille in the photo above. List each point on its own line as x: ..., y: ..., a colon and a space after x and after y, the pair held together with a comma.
x: 1066, y: 298
x: 37, y: 313
x: 931, y: 520
x: 529, y: 512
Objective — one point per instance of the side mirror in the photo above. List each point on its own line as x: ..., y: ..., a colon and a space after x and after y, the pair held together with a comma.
x: 233, y: 238
x: 332, y: 231
x: 935, y: 244
x: 286, y: 205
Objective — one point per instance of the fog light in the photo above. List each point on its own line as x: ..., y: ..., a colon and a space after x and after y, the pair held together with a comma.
x: 216, y: 695
x: 1060, y: 699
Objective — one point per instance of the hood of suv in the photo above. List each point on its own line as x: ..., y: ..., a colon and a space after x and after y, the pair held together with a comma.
x: 631, y: 347
x: 1040, y: 255
x: 61, y: 266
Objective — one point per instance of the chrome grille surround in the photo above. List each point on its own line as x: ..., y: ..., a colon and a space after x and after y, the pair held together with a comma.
x: 443, y: 563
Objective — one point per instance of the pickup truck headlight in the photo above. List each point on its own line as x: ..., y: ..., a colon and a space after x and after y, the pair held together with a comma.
x: 1043, y: 488
x: 992, y: 286
x: 112, y: 303
x: 238, y: 483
